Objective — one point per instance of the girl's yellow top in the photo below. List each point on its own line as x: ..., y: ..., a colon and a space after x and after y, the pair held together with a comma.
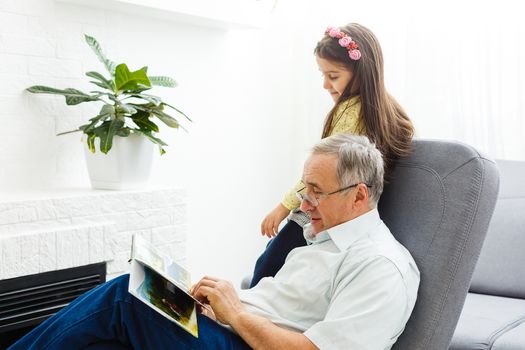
x: 346, y: 121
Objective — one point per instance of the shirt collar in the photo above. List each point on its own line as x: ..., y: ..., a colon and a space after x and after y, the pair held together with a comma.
x: 345, y: 234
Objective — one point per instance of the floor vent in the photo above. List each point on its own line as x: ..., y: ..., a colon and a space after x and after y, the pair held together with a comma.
x: 28, y: 300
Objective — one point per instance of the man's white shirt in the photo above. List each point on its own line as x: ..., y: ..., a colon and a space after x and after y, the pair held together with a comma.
x: 353, y: 287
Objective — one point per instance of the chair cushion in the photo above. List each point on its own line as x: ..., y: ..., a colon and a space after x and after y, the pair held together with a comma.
x: 500, y: 267
x: 486, y: 320
x: 512, y: 340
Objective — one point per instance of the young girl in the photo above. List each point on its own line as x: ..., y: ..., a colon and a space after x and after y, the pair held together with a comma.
x: 351, y: 61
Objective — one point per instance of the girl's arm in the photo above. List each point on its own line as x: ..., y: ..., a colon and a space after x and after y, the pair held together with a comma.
x: 270, y: 224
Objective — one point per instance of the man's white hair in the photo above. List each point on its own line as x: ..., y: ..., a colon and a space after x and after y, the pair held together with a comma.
x: 358, y: 161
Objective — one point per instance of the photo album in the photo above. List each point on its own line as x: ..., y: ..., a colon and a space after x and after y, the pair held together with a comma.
x: 163, y: 285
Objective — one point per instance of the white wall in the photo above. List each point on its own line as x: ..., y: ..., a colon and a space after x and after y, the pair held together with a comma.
x: 255, y: 97
x: 456, y: 66
x: 235, y: 91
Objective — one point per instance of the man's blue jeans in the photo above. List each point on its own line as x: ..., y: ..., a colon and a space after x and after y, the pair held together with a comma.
x: 273, y: 258
x: 111, y: 316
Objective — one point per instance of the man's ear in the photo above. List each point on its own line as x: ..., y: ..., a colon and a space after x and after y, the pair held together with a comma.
x: 361, y: 196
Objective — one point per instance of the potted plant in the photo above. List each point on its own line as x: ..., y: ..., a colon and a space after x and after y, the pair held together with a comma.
x: 125, y: 124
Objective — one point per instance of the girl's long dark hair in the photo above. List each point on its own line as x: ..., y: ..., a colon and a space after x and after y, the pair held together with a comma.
x: 385, y: 121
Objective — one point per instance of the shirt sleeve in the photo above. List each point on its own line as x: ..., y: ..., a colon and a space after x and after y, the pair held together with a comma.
x: 290, y: 200
x: 368, y: 309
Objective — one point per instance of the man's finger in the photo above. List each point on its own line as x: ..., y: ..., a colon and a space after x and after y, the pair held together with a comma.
x: 204, y: 292
x: 211, y: 278
x: 206, y: 281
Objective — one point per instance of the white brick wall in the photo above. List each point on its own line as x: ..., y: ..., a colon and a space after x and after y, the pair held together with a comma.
x: 222, y: 85
x: 51, y: 234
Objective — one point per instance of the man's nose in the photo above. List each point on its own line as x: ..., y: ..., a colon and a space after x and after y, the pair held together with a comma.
x: 306, y: 206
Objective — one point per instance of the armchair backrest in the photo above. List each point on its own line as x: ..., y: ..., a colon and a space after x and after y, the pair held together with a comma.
x: 438, y: 204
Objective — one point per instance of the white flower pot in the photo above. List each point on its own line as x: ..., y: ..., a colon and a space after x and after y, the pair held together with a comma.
x: 126, y: 166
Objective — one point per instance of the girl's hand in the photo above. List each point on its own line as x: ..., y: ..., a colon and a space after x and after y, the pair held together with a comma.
x: 271, y: 222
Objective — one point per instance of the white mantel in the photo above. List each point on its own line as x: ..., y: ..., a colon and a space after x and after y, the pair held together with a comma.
x: 52, y: 230
x: 210, y: 13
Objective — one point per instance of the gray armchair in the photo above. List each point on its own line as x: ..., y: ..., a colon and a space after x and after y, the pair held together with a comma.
x: 438, y: 205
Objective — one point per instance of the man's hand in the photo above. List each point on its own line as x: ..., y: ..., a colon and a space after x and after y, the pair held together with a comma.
x: 271, y: 222
x: 257, y: 332
x: 221, y: 296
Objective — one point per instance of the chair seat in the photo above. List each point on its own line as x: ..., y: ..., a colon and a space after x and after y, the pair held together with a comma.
x: 490, y: 322
x: 512, y: 340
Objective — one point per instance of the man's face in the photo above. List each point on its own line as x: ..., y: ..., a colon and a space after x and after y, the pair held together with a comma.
x: 319, y: 176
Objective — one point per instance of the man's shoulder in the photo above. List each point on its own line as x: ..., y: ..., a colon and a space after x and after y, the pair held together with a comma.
x: 380, y: 247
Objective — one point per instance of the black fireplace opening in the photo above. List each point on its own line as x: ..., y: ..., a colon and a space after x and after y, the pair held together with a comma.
x: 27, y: 301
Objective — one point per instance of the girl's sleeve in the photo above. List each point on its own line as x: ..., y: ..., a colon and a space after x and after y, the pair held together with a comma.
x: 290, y: 200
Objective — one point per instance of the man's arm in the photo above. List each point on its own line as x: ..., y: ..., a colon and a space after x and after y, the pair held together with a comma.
x: 256, y: 331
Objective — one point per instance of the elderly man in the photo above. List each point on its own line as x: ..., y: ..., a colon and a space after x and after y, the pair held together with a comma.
x: 353, y: 287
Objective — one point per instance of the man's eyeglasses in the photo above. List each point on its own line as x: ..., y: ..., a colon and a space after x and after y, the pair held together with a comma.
x: 316, y: 197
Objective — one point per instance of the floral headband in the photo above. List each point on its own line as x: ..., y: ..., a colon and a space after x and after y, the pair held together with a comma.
x: 345, y: 41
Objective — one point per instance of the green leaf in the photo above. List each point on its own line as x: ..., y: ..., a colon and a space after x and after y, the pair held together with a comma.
x: 73, y: 96
x: 87, y: 128
x: 155, y: 140
x: 146, y: 107
x: 91, y: 142
x: 98, y: 84
x: 165, y: 118
x: 177, y: 110
x: 147, y: 124
x: 150, y: 98
x: 95, y: 46
x: 126, y: 109
x: 126, y: 80
x: 158, y: 112
x: 111, y: 96
x: 106, y: 131
x: 162, y: 81
x: 103, y: 82
x: 69, y: 132
x: 124, y: 132
x: 141, y: 119
x: 106, y: 112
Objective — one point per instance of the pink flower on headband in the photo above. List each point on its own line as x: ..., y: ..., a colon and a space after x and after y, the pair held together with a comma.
x: 334, y: 32
x: 345, y: 41
x: 354, y: 54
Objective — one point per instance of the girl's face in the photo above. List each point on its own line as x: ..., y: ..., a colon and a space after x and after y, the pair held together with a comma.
x: 335, y: 77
